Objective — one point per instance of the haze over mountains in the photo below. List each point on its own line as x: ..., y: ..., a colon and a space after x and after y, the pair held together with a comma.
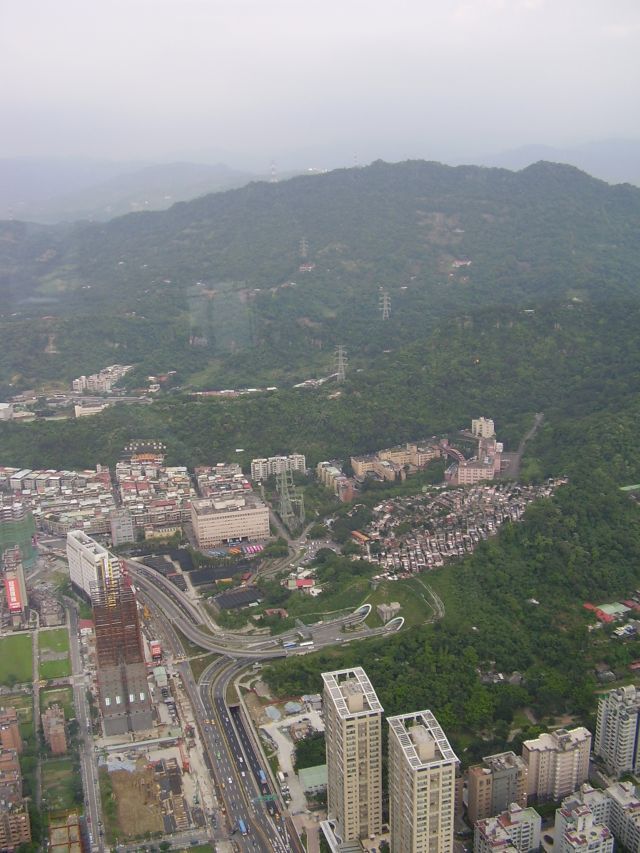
x: 216, y: 288
x: 50, y: 191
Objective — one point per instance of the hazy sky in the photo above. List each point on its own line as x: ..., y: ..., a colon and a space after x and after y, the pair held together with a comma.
x: 262, y: 80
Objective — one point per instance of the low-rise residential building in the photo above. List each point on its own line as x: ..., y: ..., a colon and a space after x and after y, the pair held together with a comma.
x: 99, y: 383
x: 53, y: 729
x: 557, y: 763
x: 514, y: 829
x: 10, y: 730
x: 223, y: 521
x: 15, y: 827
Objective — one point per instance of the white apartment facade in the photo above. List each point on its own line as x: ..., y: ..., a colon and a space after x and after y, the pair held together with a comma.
x: 89, y: 563
x: 514, y: 829
x: 261, y: 469
x: 617, y: 809
x: 353, y: 734
x: 483, y: 427
x: 616, y: 740
x: 238, y: 518
x: 422, y: 769
x: 557, y: 763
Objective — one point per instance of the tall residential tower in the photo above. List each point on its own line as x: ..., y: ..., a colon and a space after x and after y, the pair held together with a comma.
x: 353, y: 722
x: 422, y: 769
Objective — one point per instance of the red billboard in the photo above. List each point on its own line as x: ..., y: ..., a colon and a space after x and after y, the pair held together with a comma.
x: 12, y: 590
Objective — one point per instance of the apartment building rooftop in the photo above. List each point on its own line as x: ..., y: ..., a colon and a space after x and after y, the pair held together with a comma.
x: 421, y: 738
x: 351, y: 692
x: 233, y: 503
x: 561, y: 740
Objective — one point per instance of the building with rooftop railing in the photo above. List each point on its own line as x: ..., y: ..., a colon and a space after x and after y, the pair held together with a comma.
x: 515, y: 829
x: 353, y: 734
x: 422, y: 769
x: 496, y: 783
x: 557, y: 763
x: 617, y: 730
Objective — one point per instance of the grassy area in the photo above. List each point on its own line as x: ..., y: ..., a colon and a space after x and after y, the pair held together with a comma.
x: 414, y: 601
x: 199, y: 664
x: 198, y: 848
x: 24, y: 706
x: 16, y: 659
x: 53, y: 647
x: 60, y: 696
x: 109, y: 811
x: 60, y: 784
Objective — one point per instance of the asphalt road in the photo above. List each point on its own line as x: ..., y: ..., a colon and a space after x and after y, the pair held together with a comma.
x: 171, y: 604
x: 88, y: 763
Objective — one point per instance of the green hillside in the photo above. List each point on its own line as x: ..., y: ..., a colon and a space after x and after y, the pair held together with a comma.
x: 212, y: 288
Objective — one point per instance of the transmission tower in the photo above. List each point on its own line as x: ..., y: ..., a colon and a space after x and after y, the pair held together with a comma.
x: 274, y: 174
x: 291, y: 507
x: 304, y: 248
x: 385, y: 304
x: 340, y: 356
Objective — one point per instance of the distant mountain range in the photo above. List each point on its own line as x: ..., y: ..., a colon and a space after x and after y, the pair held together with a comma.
x: 616, y: 161
x: 221, y: 290
x: 50, y: 191
x: 54, y: 191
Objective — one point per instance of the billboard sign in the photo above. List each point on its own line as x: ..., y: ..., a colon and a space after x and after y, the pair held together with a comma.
x: 12, y: 590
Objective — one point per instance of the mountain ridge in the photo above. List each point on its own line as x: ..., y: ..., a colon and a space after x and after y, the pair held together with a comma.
x: 225, y: 270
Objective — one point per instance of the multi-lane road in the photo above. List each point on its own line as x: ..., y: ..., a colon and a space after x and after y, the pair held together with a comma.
x: 88, y: 763
x: 234, y: 764
x: 183, y: 614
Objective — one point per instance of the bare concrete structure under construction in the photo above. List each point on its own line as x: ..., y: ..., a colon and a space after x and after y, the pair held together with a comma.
x: 122, y: 674
x: 422, y: 769
x: 353, y: 733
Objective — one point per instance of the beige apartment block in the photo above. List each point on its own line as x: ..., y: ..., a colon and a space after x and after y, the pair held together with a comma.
x: 483, y: 427
x: 220, y: 521
x: 353, y: 723
x: 492, y: 786
x: 557, y: 763
x: 422, y: 771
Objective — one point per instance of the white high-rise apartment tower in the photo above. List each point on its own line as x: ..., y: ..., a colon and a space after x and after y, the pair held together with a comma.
x: 353, y: 734
x: 616, y: 740
x: 89, y: 562
x: 422, y: 769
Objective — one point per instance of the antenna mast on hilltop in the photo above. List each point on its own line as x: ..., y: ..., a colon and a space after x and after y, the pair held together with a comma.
x: 291, y: 506
x: 274, y: 174
x: 341, y: 363
x: 304, y: 248
x: 385, y: 304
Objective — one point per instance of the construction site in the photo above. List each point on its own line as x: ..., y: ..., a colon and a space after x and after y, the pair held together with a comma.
x: 154, y: 792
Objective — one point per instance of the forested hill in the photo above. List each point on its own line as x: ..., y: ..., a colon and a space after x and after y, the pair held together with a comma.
x: 202, y: 286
